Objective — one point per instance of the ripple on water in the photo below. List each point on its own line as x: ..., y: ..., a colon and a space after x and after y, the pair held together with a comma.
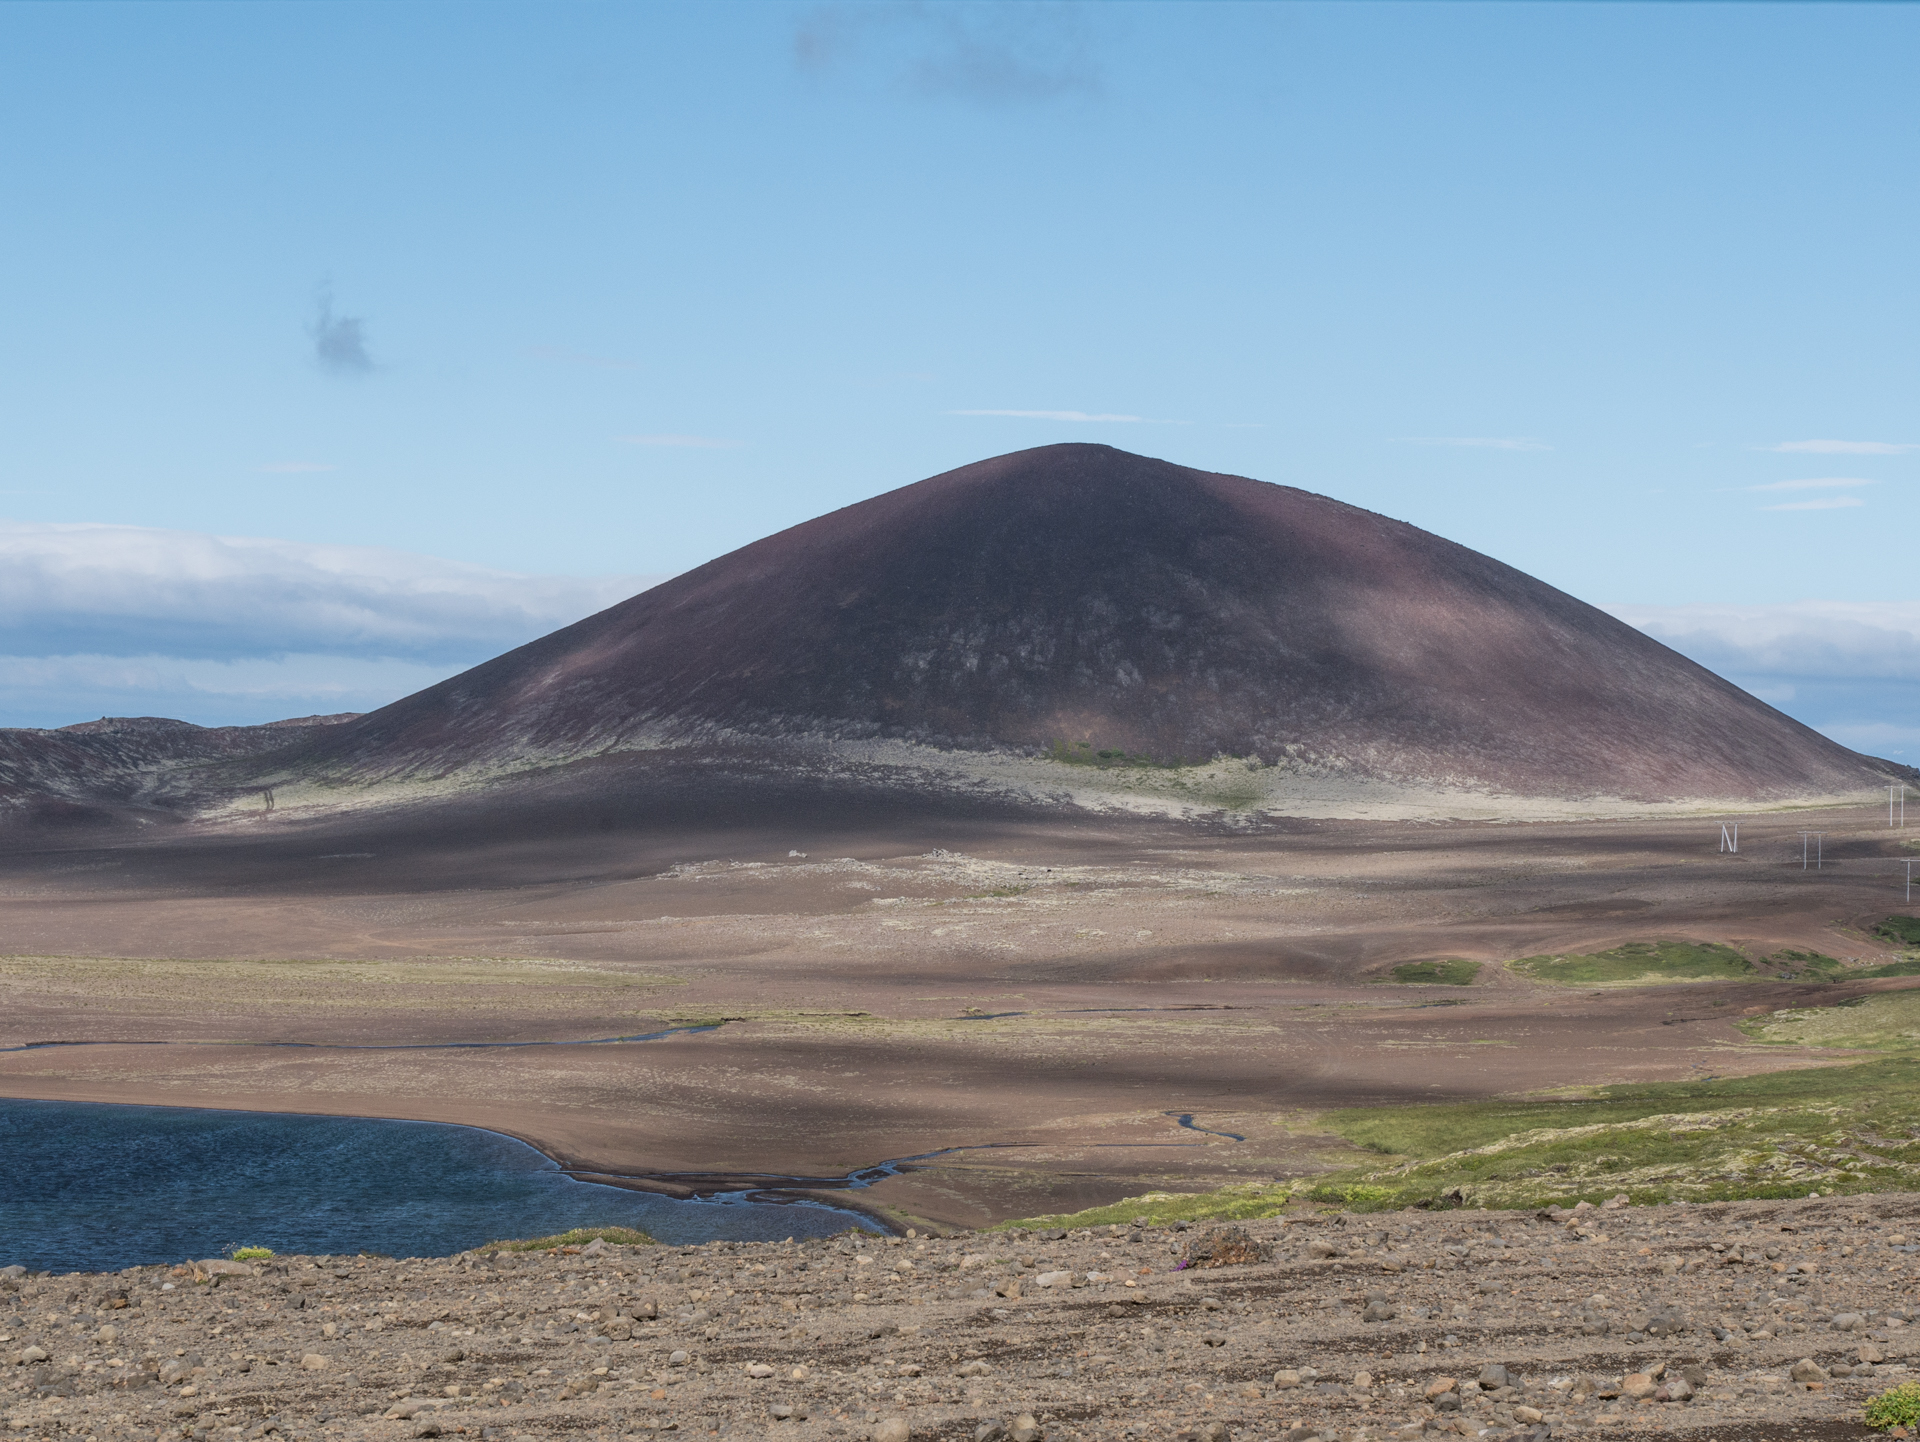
x: 93, y: 1186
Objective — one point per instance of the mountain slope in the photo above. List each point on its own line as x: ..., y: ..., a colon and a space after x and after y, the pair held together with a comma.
x: 1077, y: 593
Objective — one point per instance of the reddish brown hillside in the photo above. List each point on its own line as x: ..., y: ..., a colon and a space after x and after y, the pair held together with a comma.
x: 1077, y: 592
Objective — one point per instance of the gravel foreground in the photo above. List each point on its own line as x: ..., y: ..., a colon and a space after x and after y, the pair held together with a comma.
x: 1737, y: 1321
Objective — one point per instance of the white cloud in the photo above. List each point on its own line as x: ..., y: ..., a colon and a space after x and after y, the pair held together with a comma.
x: 129, y: 621
x: 1054, y: 416
x: 1827, y: 503
x: 1824, y: 483
x: 135, y: 591
x: 698, y: 443
x: 1827, y: 640
x: 1843, y: 448
x: 1484, y: 443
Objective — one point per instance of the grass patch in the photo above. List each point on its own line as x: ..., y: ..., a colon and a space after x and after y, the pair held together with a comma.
x: 1807, y: 966
x: 1436, y: 973
x: 1882, y: 1020
x: 1640, y: 963
x: 1901, y: 930
x: 578, y: 1237
x: 1834, y: 1130
x: 997, y: 891
x: 1895, y: 1407
x: 1085, y: 753
x: 1243, y: 1202
x: 252, y: 1254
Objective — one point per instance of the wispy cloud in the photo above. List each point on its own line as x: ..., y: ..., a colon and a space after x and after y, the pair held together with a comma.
x: 295, y: 468
x: 1850, y: 669
x: 1820, y: 483
x: 1483, y: 443
x: 1825, y: 503
x: 131, y: 590
x: 1059, y: 416
x: 697, y: 443
x: 1828, y: 640
x: 985, y: 53
x: 1843, y: 448
x: 339, y: 341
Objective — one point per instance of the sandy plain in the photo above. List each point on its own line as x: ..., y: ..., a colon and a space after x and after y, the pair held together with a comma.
x: 1065, y: 1011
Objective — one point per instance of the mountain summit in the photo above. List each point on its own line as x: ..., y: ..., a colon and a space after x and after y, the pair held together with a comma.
x: 1081, y: 596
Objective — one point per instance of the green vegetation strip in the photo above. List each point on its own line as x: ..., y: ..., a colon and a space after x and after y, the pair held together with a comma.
x: 1640, y: 963
x: 578, y: 1237
x: 1827, y: 1129
x: 1437, y: 973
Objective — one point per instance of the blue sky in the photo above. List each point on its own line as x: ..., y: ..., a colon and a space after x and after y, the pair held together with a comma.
x: 467, y: 319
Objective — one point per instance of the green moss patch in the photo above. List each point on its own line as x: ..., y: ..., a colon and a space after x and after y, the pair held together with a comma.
x: 578, y: 1237
x: 1901, y: 930
x: 1436, y: 973
x: 1640, y: 963
x: 1834, y: 1130
x: 1086, y: 753
x: 1887, y: 1020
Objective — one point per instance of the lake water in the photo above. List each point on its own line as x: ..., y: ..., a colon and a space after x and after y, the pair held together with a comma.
x: 87, y: 1186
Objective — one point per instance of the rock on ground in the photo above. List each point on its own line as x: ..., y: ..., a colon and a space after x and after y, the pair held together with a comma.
x: 1690, y: 1320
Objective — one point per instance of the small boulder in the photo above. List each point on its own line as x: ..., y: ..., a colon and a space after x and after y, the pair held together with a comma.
x: 891, y: 1429
x: 1808, y: 1370
x: 1225, y: 1247
x: 31, y: 1355
x: 1054, y: 1279
x: 1494, y: 1376
x: 314, y: 1362
x: 1849, y: 1322
x: 1378, y: 1309
x: 1637, y: 1385
x: 1025, y: 1429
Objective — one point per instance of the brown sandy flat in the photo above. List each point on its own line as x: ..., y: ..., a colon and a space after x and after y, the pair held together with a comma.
x: 1053, y: 994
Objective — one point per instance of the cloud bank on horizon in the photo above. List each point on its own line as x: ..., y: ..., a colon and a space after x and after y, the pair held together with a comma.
x: 130, y: 620
x: 1849, y: 669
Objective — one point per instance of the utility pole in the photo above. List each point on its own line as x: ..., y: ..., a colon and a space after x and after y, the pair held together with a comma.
x: 1730, y: 840
x: 1819, y: 838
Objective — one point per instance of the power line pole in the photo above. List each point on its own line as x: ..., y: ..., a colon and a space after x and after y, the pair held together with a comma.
x: 1730, y: 840
x: 1819, y: 838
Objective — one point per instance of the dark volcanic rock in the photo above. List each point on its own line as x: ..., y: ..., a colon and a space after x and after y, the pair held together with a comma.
x: 1079, y: 593
x: 98, y: 772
